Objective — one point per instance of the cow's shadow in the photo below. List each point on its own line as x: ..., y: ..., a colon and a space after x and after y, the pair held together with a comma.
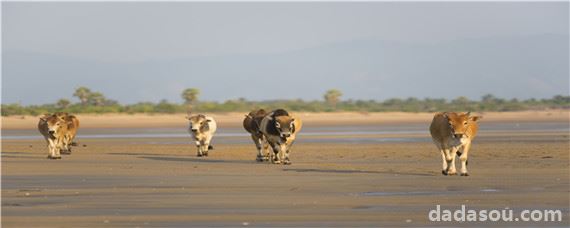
x: 196, y: 159
x: 358, y: 171
x: 13, y: 154
x: 137, y: 154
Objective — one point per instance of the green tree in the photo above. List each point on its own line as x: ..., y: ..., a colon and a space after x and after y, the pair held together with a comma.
x: 332, y: 97
x: 190, y: 95
x: 83, y: 94
x: 63, y: 103
x: 488, y: 98
x: 96, y: 99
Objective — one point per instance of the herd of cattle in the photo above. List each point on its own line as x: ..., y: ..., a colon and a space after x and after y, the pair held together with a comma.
x: 451, y: 132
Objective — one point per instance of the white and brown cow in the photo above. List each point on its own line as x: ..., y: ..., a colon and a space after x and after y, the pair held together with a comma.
x: 202, y: 129
x: 280, y: 129
x: 54, y: 129
x: 453, y: 133
x: 251, y: 124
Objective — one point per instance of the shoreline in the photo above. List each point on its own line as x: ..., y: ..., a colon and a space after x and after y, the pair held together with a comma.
x: 234, y: 119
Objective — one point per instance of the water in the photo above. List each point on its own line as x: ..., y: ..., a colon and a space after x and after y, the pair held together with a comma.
x: 320, y: 134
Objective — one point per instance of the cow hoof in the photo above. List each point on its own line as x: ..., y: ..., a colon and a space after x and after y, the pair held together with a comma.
x: 260, y: 159
x: 199, y: 155
x: 51, y: 157
x: 65, y: 152
x: 451, y: 173
x: 287, y: 163
x: 444, y: 172
x: 465, y: 174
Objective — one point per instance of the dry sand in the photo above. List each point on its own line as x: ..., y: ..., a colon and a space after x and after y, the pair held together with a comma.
x: 234, y: 119
x: 132, y: 183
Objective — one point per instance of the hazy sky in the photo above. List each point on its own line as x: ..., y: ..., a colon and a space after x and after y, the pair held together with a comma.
x: 78, y: 42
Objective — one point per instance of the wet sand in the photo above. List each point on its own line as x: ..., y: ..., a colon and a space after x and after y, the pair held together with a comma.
x: 159, y: 182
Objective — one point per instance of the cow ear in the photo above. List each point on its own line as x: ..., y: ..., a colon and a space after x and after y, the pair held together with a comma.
x: 475, y: 118
x: 445, y: 115
x: 45, y: 116
x: 468, y: 113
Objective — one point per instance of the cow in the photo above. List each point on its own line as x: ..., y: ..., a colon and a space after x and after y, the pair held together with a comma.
x: 72, y: 126
x: 280, y: 129
x: 202, y: 129
x: 453, y: 133
x: 54, y: 129
x: 251, y: 124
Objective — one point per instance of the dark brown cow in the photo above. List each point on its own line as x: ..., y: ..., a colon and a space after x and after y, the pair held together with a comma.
x: 280, y: 130
x: 251, y: 124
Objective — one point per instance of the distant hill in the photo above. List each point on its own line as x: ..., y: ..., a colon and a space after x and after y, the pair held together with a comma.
x: 521, y: 67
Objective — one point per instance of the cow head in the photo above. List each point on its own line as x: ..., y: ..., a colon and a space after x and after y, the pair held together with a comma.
x: 285, y: 125
x: 54, y: 124
x: 198, y: 122
x: 61, y: 115
x: 459, y: 123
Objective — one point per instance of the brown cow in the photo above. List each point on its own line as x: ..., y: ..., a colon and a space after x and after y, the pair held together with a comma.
x: 72, y: 126
x: 251, y: 124
x: 54, y: 129
x: 452, y: 133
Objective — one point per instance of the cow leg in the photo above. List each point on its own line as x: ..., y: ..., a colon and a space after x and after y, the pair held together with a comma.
x: 287, y: 161
x: 463, y: 158
x: 276, y: 154
x: 59, y: 146
x: 267, y: 155
x: 206, y: 147
x: 53, y: 150
x: 199, y: 148
x: 444, y: 162
x: 284, y: 153
x: 68, y: 140
x: 66, y: 148
x: 258, y: 144
x: 50, y: 152
x: 451, y: 165
x: 63, y: 149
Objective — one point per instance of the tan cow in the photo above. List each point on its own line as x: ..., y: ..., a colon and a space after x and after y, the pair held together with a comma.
x: 54, y: 129
x: 280, y: 130
x: 202, y: 129
x: 453, y: 133
x: 72, y: 126
x: 251, y: 124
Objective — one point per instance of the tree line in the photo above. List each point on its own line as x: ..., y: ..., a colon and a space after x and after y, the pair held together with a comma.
x: 95, y: 102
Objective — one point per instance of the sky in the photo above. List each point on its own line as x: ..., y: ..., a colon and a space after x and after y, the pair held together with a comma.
x: 148, y: 51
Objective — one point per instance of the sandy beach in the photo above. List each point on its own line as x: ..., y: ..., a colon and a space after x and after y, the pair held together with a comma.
x: 383, y: 171
x: 235, y: 119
